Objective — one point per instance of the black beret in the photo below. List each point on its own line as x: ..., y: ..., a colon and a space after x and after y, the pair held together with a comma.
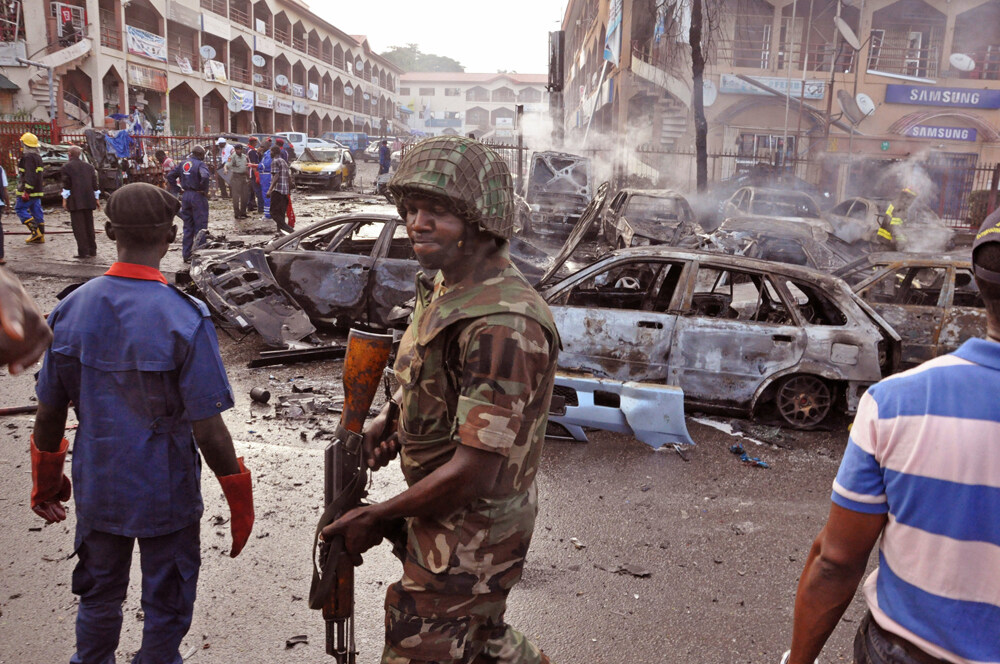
x: 142, y: 205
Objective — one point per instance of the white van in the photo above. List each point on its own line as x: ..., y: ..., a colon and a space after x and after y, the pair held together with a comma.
x: 297, y: 139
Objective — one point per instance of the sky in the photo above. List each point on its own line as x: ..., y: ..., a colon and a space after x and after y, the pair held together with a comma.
x: 484, y: 36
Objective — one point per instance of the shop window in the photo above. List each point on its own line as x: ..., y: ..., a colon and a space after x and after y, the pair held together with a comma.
x: 426, y: 92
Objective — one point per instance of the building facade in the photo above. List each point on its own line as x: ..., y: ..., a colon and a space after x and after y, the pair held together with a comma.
x: 926, y: 104
x: 196, y: 66
x: 460, y: 103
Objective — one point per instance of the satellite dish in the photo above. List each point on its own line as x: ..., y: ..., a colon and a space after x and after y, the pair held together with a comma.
x: 281, y: 80
x: 961, y: 62
x: 258, y: 78
x: 258, y: 60
x: 849, y: 107
x: 235, y: 105
x: 865, y: 104
x: 207, y: 52
x: 358, y: 65
x: 709, y: 93
x: 846, y: 32
x: 374, y: 101
x: 367, y: 96
x: 348, y: 92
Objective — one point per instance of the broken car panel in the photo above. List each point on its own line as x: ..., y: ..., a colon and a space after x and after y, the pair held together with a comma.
x: 734, y: 333
x: 640, y: 217
x: 782, y: 241
x: 931, y: 300
x: 558, y: 190
x: 775, y: 204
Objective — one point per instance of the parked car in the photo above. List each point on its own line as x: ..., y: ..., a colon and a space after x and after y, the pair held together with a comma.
x: 357, y: 268
x: 326, y: 167
x: 736, y: 334
x: 931, y: 300
x: 313, y: 142
x: 641, y: 217
x: 857, y: 219
x: 782, y: 241
x: 297, y: 139
x: 775, y: 204
x: 559, y: 188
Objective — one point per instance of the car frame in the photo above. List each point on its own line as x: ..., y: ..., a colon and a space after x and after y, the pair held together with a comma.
x: 621, y: 230
x: 309, y: 171
x: 933, y: 316
x: 804, y: 357
x: 783, y: 241
x: 744, y: 200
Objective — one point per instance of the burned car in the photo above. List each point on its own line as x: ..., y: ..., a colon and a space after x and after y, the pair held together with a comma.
x: 327, y: 167
x: 641, y: 217
x: 360, y: 267
x: 782, y: 241
x: 931, y: 300
x: 775, y: 204
x: 857, y: 219
x: 559, y: 188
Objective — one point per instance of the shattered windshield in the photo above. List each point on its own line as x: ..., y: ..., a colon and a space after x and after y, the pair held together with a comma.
x: 649, y: 208
x: 319, y: 154
x: 784, y: 205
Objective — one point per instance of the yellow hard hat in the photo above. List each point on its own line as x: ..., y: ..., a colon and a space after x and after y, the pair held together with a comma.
x: 29, y: 139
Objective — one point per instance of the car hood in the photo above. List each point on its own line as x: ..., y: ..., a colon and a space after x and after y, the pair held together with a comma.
x: 654, y: 230
x: 316, y: 166
x: 590, y: 215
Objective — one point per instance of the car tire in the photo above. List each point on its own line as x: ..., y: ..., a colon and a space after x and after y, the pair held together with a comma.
x: 803, y: 401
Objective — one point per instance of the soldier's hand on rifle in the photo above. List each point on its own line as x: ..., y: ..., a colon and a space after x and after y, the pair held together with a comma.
x: 360, y: 528
x: 381, y: 444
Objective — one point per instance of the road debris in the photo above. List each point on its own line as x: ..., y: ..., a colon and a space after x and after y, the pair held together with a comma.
x: 746, y: 458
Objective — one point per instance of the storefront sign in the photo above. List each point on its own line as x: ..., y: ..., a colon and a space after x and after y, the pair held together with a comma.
x: 313, y: 92
x: 283, y: 106
x: 147, y: 77
x: 265, y: 100
x: 244, y: 97
x: 360, y: 120
x: 215, y: 71
x: 10, y: 52
x: 184, y: 64
x: 264, y: 45
x: 180, y: 14
x: 813, y: 89
x: 298, y: 90
x: 942, y: 133
x: 146, y: 44
x: 924, y: 95
x: 216, y: 25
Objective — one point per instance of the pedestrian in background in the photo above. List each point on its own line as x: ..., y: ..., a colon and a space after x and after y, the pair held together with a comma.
x: 256, y: 201
x: 139, y: 361
x: 29, y: 189
x: 191, y: 176
x: 166, y: 165
x: 280, y: 190
x: 4, y: 206
x: 238, y: 167
x: 921, y: 472
x: 384, y: 157
x: 81, y: 196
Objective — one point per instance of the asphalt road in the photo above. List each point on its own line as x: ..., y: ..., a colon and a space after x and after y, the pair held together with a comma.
x: 723, y: 543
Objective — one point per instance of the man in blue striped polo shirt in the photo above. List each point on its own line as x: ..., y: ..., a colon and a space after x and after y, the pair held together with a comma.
x: 921, y: 470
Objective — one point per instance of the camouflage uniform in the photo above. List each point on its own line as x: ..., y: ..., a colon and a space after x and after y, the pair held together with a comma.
x: 476, y: 365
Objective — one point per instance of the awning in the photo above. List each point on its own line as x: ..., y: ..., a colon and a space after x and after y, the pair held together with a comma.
x: 7, y: 84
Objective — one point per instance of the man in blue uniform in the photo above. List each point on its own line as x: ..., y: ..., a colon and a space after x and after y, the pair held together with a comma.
x: 194, y: 180
x: 384, y: 157
x: 256, y: 196
x: 29, y: 189
x: 265, y: 181
x: 140, y: 363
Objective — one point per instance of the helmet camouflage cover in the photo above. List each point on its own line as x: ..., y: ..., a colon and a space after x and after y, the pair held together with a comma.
x: 474, y: 178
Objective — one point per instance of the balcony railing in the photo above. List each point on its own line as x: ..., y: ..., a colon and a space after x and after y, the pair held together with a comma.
x: 179, y: 51
x: 313, y: 51
x: 919, y: 62
x: 818, y: 58
x: 215, y: 6
x: 238, y: 74
x: 241, y: 16
x: 326, y: 99
x: 987, y: 64
x: 327, y: 57
x: 283, y: 36
x: 111, y: 36
x: 268, y: 26
x: 299, y: 44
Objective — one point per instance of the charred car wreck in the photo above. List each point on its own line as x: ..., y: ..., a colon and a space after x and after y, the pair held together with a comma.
x: 558, y: 191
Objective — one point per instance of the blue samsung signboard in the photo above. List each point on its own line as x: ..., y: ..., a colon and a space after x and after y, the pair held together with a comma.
x: 942, y: 133
x: 924, y: 95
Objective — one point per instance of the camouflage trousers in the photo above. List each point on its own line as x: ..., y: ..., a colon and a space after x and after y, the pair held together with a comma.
x: 503, y: 645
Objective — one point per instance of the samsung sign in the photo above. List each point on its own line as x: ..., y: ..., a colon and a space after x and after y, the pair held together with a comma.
x: 923, y: 95
x: 942, y: 133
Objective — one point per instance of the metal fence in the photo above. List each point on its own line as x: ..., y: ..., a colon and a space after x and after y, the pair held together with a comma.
x: 142, y: 164
x: 10, y: 141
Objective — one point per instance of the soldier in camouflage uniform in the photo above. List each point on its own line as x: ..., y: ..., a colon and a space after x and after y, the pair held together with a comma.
x: 476, y: 368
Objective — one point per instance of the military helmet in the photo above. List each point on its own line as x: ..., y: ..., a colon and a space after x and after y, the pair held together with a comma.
x: 473, y: 177
x: 29, y: 139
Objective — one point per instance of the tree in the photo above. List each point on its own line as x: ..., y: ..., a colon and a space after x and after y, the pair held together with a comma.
x: 698, y: 97
x: 411, y: 58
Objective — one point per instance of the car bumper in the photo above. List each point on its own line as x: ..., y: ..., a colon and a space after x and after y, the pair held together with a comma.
x: 314, y: 179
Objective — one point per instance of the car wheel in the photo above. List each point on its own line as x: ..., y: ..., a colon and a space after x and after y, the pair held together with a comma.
x: 804, y: 401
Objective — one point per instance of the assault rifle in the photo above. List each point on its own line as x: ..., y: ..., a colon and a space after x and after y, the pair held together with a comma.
x: 344, y: 479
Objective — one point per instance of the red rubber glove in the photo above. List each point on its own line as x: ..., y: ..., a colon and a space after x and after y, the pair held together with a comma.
x: 49, y: 485
x: 239, y: 495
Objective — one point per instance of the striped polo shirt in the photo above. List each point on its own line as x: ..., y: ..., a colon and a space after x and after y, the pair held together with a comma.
x: 925, y: 450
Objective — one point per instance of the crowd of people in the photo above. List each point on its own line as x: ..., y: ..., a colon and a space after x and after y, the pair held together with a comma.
x: 476, y: 369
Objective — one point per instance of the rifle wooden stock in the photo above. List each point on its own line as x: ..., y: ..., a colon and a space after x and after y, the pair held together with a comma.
x: 344, y: 485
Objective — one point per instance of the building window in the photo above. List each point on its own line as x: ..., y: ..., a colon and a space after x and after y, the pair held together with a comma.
x: 529, y: 95
x: 477, y: 94
x: 503, y: 94
x: 762, y: 149
x: 452, y: 92
x: 426, y: 92
x: 404, y: 92
x: 752, y: 35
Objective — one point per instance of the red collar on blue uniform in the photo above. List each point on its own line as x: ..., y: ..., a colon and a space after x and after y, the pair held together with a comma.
x: 133, y: 271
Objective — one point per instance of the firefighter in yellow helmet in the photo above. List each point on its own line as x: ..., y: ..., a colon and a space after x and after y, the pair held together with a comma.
x: 29, y: 189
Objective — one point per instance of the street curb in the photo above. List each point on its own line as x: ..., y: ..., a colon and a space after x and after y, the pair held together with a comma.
x: 65, y: 270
